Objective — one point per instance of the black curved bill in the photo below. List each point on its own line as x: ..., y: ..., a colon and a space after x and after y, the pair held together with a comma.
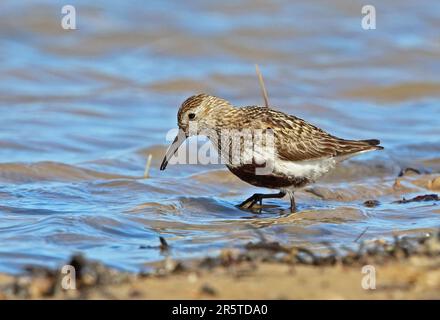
x: 178, y: 140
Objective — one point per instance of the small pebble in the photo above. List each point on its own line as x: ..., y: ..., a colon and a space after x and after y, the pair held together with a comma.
x: 397, y: 184
x: 371, y: 203
x: 192, y: 277
x: 40, y: 287
x: 207, y: 289
x: 135, y: 293
x: 434, y: 184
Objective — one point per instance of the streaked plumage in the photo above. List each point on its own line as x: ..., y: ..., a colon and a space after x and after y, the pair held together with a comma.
x: 303, y: 152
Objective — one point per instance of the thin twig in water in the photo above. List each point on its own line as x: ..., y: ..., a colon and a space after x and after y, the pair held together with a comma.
x: 361, y: 235
x: 164, y: 246
x: 262, y: 87
x: 147, y: 166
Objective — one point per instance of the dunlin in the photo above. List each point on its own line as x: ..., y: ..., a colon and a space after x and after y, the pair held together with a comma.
x: 302, y: 152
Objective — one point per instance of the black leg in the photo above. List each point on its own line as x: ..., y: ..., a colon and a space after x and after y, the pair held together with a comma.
x: 292, y: 202
x: 258, y: 197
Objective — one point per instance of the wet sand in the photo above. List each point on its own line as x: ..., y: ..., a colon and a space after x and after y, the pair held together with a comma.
x: 407, y: 268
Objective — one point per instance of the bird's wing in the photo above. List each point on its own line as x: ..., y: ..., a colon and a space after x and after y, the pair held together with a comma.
x: 298, y: 140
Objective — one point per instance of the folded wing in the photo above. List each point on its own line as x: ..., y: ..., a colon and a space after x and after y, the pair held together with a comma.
x: 298, y: 140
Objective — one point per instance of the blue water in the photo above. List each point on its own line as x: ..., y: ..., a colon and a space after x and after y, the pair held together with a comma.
x: 82, y: 109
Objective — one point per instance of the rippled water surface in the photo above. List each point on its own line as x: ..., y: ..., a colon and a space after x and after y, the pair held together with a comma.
x: 81, y: 110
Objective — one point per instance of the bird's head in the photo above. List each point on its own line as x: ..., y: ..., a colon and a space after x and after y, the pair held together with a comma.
x: 197, y: 114
x: 198, y: 111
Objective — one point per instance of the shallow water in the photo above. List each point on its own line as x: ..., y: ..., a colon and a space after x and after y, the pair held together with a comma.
x: 81, y: 111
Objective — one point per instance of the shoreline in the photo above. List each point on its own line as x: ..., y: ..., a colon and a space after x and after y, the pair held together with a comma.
x: 404, y: 269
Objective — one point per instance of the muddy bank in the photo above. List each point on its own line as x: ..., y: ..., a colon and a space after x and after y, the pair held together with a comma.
x: 405, y: 268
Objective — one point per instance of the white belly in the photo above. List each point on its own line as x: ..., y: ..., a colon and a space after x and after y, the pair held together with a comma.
x: 310, y: 169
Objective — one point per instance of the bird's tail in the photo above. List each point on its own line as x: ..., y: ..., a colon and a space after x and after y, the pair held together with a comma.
x: 372, y: 142
x: 349, y: 148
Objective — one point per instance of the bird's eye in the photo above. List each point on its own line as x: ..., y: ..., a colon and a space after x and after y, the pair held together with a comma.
x: 191, y: 116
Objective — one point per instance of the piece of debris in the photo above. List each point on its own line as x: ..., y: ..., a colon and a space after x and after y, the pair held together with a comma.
x: 163, y: 244
x: 270, y: 246
x: 170, y: 266
x: 262, y: 86
x: 434, y: 184
x: 408, y: 171
x: 362, y: 234
x: 371, y: 203
x: 208, y: 290
x: 422, y: 198
x: 147, y: 166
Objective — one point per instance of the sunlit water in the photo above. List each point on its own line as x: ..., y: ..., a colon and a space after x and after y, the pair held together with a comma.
x: 81, y: 110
